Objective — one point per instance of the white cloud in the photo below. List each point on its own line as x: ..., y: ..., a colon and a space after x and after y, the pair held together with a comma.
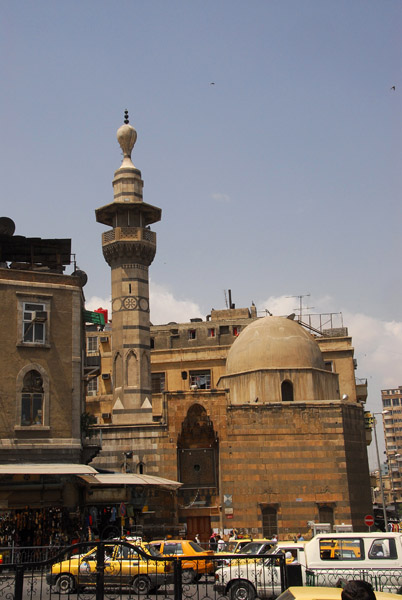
x: 164, y: 306
x: 96, y: 302
x: 220, y: 197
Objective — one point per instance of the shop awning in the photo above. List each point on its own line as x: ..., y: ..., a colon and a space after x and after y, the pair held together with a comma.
x: 109, y: 479
x: 46, y: 469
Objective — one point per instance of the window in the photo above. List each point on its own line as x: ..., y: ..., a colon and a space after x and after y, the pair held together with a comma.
x: 211, y: 332
x: 152, y: 343
x: 92, y: 388
x: 200, y: 379
x: 326, y: 515
x: 192, y: 334
x: 33, y: 323
x: 269, y: 522
x: 349, y: 549
x: 224, y: 329
x: 32, y: 399
x: 329, y: 365
x: 287, y: 391
x: 158, y: 382
x: 172, y: 548
x: 395, y: 401
x: 386, y: 402
x: 92, y: 344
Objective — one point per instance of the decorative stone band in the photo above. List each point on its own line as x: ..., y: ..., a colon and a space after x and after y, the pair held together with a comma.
x: 122, y: 250
x: 130, y: 303
x: 131, y: 411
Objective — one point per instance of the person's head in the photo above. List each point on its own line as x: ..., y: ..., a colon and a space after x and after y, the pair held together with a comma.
x: 288, y: 556
x: 358, y: 590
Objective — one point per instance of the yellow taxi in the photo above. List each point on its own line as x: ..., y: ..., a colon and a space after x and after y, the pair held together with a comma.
x: 191, y: 569
x: 124, y: 567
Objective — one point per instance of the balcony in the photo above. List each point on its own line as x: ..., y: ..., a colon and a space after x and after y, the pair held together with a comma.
x: 361, y: 389
x: 128, y: 234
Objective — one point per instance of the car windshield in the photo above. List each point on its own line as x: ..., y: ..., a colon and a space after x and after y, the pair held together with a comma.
x: 251, y: 548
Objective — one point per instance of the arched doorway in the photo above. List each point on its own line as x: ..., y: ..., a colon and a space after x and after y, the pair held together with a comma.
x: 198, y: 464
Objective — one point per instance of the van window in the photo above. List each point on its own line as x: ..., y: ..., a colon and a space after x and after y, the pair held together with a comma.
x: 382, y: 548
x: 341, y: 549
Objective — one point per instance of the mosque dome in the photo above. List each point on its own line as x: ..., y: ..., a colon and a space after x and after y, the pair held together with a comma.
x: 273, y: 343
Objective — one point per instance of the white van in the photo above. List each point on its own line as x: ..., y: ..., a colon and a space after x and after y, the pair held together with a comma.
x: 327, y: 560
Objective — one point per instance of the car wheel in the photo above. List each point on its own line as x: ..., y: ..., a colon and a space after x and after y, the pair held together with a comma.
x: 141, y: 585
x: 65, y: 584
x: 187, y: 576
x: 242, y: 590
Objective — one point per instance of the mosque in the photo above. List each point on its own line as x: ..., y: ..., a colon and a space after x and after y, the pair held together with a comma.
x: 260, y: 418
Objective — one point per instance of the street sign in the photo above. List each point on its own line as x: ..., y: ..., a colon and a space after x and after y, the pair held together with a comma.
x: 369, y: 520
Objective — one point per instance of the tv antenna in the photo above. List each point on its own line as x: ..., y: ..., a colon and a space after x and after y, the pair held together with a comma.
x: 301, y: 307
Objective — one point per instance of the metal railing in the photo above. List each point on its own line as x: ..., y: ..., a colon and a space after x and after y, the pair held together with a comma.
x: 109, y: 569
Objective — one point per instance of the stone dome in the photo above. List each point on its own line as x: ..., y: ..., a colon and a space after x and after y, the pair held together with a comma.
x: 273, y: 343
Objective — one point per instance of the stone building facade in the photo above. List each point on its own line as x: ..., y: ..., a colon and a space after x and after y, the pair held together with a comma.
x: 260, y: 419
x: 41, y: 387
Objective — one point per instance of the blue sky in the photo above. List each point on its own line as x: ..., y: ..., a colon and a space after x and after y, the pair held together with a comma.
x: 282, y: 178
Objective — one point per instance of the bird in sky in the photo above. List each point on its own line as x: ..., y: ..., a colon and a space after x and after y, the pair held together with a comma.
x: 212, y: 83
x: 393, y: 88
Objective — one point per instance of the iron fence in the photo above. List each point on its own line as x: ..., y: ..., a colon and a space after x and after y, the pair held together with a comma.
x: 112, y: 570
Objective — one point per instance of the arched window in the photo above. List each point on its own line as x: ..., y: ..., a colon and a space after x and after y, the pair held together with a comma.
x: 118, y: 370
x: 287, y: 391
x: 269, y: 522
x: 32, y: 399
x: 140, y: 468
x: 132, y: 369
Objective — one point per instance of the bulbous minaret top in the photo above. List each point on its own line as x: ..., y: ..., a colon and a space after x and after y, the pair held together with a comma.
x: 126, y: 136
x: 127, y: 189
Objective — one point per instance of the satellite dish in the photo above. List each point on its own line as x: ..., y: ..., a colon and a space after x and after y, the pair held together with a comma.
x: 7, y: 226
x: 82, y: 276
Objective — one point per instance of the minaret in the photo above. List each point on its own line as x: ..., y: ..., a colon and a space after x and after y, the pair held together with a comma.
x: 129, y: 248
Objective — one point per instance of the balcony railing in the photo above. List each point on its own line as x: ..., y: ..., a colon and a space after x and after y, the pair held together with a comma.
x: 128, y: 234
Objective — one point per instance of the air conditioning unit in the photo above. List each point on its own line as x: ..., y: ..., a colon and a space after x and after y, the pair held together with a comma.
x: 194, y: 386
x: 105, y: 375
x: 106, y: 415
x: 40, y: 316
x: 104, y: 340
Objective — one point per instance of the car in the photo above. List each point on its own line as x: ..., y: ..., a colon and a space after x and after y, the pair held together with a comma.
x: 325, y: 593
x: 124, y: 567
x: 191, y: 569
x: 256, y: 546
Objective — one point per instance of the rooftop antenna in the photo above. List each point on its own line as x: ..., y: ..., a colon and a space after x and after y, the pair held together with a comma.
x: 226, y: 299
x: 300, y: 307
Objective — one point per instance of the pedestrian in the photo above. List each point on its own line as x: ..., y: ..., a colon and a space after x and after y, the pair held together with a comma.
x: 358, y: 590
x: 299, y: 538
x: 213, y: 542
x: 274, y: 538
x: 197, y: 538
x: 221, y: 544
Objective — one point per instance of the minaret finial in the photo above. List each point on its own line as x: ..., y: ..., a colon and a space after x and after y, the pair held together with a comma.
x: 126, y: 136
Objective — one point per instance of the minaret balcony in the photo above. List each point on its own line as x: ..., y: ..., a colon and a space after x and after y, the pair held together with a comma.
x: 128, y: 234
